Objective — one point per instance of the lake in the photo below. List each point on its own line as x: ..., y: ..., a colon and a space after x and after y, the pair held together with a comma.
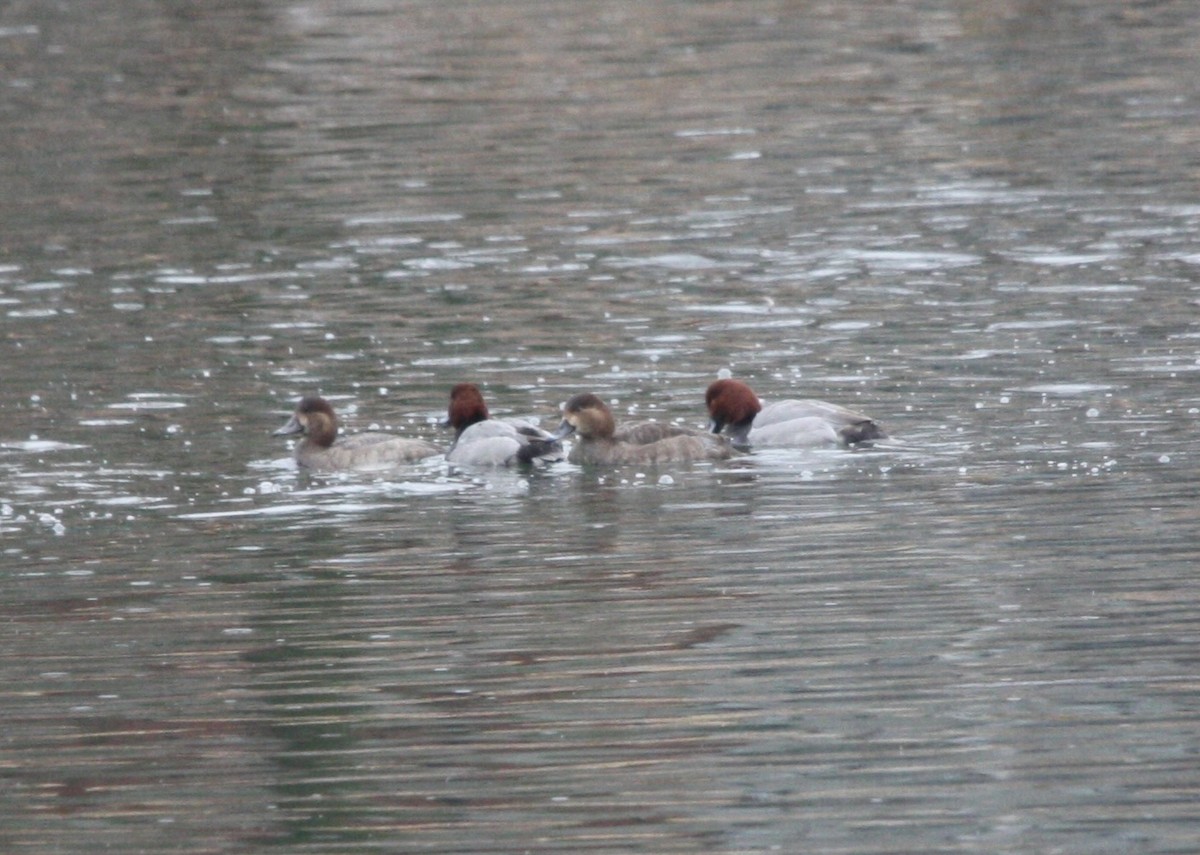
x: 978, y: 223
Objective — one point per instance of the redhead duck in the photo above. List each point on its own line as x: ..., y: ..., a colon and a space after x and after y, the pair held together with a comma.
x: 599, y: 441
x: 480, y: 440
x: 734, y: 408
x: 314, y: 418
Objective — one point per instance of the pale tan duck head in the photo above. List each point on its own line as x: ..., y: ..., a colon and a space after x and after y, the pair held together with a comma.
x: 588, y: 417
x: 315, y: 419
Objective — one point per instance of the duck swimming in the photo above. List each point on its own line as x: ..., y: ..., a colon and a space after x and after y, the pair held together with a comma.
x: 808, y: 423
x: 315, y: 420
x: 480, y: 440
x: 599, y: 441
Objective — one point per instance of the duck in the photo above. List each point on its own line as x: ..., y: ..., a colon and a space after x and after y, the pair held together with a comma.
x: 480, y: 440
x: 599, y: 441
x: 317, y: 451
x: 734, y: 409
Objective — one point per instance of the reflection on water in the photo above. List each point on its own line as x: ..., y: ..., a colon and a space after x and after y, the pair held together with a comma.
x: 975, y: 224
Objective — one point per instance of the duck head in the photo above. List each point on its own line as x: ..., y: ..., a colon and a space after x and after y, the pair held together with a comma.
x: 314, y: 418
x: 588, y: 416
x: 466, y: 408
x: 733, y: 404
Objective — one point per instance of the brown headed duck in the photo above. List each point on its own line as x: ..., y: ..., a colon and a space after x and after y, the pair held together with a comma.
x: 317, y: 451
x: 480, y: 440
x: 598, y: 441
x: 808, y: 423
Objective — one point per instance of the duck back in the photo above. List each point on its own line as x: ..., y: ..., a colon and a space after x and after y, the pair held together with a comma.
x: 675, y: 449
x: 642, y: 433
x: 846, y: 426
x: 810, y: 431
x: 503, y: 443
x: 363, y: 451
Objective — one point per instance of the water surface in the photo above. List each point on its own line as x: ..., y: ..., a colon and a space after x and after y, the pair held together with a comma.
x: 978, y: 225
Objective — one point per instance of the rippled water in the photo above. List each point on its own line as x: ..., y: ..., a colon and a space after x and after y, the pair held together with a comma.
x: 977, y: 223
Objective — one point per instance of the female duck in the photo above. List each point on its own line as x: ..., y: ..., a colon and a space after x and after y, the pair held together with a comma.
x: 315, y: 420
x: 808, y: 423
x: 480, y: 440
x: 599, y: 442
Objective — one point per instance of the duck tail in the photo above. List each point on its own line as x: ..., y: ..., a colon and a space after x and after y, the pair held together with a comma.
x: 545, y: 450
x: 861, y: 433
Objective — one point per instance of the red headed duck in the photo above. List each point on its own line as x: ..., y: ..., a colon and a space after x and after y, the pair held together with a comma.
x: 317, y: 451
x: 808, y: 423
x: 598, y: 440
x: 480, y: 440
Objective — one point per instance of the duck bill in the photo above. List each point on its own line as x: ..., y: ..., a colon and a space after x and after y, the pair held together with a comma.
x: 293, y: 426
x: 564, y: 430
